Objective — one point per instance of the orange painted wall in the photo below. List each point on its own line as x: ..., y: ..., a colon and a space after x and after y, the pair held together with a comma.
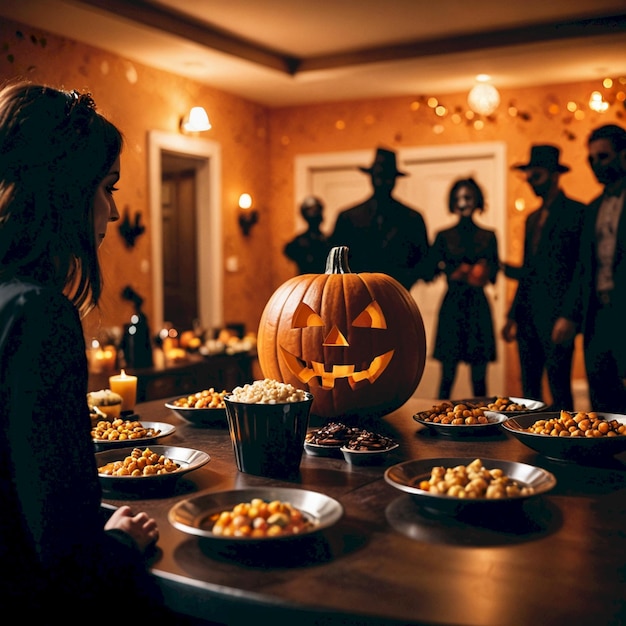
x: 259, y: 146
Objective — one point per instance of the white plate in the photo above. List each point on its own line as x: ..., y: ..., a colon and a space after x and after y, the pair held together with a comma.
x: 405, y: 476
x: 163, y: 428
x: 188, y: 459
x: 530, y: 405
x: 192, y: 515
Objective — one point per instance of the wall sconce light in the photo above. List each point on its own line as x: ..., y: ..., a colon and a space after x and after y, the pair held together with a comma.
x: 483, y: 98
x: 197, y: 120
x: 248, y: 216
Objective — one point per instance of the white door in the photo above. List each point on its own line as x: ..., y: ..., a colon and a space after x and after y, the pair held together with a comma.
x: 337, y: 181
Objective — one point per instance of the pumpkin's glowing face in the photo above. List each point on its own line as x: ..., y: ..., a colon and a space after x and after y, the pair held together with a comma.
x: 355, y: 341
x: 304, y: 317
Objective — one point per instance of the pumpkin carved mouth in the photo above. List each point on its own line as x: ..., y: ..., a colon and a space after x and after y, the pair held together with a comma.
x: 305, y: 372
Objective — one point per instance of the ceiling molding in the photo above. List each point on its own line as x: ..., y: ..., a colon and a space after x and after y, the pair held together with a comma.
x: 182, y: 25
x: 484, y: 40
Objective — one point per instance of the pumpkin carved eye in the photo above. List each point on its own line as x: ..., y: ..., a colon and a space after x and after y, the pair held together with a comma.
x: 305, y: 316
x: 371, y: 317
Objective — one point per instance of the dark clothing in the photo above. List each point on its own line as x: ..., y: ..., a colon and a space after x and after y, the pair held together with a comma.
x: 465, y: 326
x: 601, y: 316
x: 390, y: 240
x: 55, y: 557
x: 309, y: 251
x: 544, y: 278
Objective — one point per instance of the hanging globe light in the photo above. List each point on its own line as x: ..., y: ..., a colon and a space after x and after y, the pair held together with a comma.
x: 598, y: 103
x: 483, y: 97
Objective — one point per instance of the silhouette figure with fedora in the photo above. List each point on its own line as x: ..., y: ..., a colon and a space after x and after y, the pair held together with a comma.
x: 309, y: 249
x: 551, y: 244
x: 383, y: 234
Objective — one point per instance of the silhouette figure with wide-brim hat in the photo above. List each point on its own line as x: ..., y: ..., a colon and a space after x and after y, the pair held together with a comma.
x: 384, y: 163
x: 552, y: 240
x: 545, y: 156
x: 383, y: 234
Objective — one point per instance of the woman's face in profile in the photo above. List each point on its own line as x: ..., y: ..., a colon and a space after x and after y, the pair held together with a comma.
x: 104, y: 208
x: 464, y: 201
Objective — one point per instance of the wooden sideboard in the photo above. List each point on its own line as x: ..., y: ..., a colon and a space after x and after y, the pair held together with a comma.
x: 164, y: 380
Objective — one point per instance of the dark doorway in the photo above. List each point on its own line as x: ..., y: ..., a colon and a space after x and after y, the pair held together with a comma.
x: 180, y: 255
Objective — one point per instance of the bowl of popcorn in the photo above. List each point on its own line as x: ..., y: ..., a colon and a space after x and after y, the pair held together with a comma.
x: 570, y: 435
x: 268, y: 421
x: 104, y: 404
x: 202, y: 408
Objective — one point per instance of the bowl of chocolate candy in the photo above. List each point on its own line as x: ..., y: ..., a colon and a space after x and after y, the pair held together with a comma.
x: 328, y: 439
x: 368, y: 448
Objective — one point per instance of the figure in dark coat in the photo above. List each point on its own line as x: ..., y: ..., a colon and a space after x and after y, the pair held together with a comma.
x: 382, y: 234
x: 468, y: 256
x: 309, y: 250
x: 551, y: 241
x: 596, y: 300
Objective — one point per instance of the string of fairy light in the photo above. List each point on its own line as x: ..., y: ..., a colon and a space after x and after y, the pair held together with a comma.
x: 611, y: 94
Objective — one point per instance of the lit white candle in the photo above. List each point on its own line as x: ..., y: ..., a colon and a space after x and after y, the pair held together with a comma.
x: 126, y: 386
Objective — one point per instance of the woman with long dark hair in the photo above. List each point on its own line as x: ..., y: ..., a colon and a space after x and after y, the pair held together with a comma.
x: 59, y: 557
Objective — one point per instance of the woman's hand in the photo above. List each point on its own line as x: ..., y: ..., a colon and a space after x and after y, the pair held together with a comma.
x: 479, y: 274
x: 563, y: 330
x: 140, y: 527
x: 461, y: 272
x: 509, y: 331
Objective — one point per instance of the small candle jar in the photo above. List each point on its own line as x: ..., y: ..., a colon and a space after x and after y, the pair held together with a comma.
x: 126, y: 386
x: 107, y: 356
x: 95, y: 364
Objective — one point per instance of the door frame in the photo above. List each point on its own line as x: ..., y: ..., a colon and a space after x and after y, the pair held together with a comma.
x: 208, y: 218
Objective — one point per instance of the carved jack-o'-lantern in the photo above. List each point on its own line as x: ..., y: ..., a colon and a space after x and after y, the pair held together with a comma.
x: 355, y: 341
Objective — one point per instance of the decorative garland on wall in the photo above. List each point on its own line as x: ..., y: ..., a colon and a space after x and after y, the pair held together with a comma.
x: 611, y: 95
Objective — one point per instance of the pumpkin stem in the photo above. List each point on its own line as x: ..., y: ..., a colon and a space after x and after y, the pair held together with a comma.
x: 337, y: 261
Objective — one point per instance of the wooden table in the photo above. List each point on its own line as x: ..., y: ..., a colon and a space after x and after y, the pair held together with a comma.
x: 558, y: 560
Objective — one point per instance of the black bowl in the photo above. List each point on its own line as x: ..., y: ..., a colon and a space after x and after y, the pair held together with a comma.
x: 188, y: 459
x: 407, y: 475
x: 465, y: 430
x: 566, y: 448
x: 199, y: 417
